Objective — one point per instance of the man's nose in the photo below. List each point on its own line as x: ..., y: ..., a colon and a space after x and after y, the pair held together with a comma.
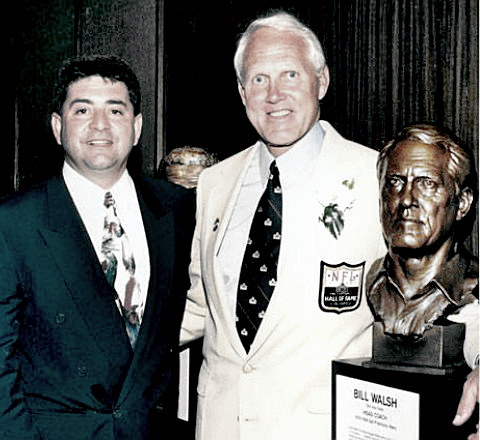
x: 99, y: 121
x: 275, y: 92
x: 408, y: 196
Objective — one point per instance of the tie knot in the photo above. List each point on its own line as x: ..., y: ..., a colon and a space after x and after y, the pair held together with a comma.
x: 108, y: 201
x: 274, y: 175
x: 274, y: 169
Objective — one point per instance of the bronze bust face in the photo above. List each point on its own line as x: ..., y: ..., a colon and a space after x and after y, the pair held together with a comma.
x: 426, y: 193
x: 419, y: 205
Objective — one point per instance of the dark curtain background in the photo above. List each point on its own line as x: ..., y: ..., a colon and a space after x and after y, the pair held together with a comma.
x: 395, y: 62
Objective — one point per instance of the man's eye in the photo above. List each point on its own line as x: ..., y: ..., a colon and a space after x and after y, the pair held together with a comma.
x: 292, y: 74
x: 117, y: 112
x: 394, y: 182
x: 258, y: 79
x: 427, y: 183
x: 80, y: 111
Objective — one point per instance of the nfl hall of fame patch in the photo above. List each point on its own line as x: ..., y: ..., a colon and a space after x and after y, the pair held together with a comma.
x: 340, y: 286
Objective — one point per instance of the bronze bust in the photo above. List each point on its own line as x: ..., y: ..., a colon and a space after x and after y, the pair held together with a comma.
x: 183, y: 165
x: 428, y: 188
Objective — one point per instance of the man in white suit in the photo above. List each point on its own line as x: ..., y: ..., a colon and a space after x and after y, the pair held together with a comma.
x: 277, y: 384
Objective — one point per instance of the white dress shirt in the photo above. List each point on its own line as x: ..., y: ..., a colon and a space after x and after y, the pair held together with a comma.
x: 290, y: 164
x: 88, y: 199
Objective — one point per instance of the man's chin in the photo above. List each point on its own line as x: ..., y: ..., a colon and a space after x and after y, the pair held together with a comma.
x: 407, y: 243
x: 415, y: 249
x: 282, y: 140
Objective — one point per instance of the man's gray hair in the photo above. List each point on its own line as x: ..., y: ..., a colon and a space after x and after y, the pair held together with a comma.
x: 281, y: 21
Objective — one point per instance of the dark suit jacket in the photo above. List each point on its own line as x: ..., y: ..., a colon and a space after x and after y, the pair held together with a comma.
x: 67, y: 370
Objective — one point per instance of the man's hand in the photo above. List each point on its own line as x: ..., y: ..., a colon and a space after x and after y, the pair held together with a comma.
x: 468, y: 401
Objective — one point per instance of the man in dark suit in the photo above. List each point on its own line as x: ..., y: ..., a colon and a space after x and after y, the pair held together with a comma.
x: 92, y: 276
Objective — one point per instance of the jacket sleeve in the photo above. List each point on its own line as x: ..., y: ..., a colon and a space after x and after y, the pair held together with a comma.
x: 15, y: 422
x: 468, y: 315
x: 194, y: 318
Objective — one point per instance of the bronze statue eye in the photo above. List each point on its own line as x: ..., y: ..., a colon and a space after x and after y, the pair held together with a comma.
x: 394, y: 182
x: 426, y: 184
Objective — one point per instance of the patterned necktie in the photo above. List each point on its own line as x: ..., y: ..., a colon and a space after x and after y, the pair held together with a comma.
x: 258, y: 275
x: 115, y: 243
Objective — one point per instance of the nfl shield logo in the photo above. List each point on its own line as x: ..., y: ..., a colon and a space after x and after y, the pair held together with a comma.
x: 340, y: 287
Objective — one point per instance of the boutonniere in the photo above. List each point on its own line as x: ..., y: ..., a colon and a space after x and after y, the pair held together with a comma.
x: 333, y: 213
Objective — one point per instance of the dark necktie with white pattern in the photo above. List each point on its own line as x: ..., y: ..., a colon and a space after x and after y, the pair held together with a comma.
x: 258, y: 275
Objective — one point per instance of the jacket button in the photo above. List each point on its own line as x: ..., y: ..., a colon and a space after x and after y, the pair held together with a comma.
x: 60, y: 318
x: 247, y: 368
x: 82, y: 371
x: 117, y: 414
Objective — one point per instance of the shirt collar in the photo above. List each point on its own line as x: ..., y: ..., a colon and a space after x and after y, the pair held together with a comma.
x: 292, y: 163
x: 458, y: 276
x: 455, y: 279
x: 86, y: 194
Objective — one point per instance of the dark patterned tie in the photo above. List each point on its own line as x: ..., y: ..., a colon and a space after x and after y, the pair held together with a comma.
x: 258, y: 275
x: 115, y: 242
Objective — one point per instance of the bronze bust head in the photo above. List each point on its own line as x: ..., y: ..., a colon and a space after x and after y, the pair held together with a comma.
x: 428, y: 188
x: 183, y: 165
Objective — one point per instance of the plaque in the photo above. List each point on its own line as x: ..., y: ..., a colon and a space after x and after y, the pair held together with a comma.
x: 375, y: 403
x: 366, y: 409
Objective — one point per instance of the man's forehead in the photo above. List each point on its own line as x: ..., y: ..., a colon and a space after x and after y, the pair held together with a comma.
x: 417, y: 156
x: 96, y: 81
x: 97, y: 87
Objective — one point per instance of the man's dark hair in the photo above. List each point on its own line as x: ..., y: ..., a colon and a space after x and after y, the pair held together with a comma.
x: 108, y: 67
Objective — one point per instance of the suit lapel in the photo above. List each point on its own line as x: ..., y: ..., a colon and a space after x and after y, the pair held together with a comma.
x: 227, y: 198
x: 73, y: 254
x: 160, y: 233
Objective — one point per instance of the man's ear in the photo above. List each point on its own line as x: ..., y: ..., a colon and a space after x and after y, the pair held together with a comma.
x: 324, y: 79
x: 241, y: 90
x: 56, y: 124
x: 464, y: 203
x: 137, y: 127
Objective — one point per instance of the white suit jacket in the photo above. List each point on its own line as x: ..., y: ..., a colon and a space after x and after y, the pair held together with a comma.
x: 281, y: 389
